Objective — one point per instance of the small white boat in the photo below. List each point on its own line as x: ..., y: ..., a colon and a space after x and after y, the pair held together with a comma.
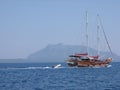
x: 57, y: 66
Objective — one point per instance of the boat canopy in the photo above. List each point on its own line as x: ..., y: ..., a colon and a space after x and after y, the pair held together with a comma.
x: 85, y: 55
x: 79, y: 55
x: 95, y: 57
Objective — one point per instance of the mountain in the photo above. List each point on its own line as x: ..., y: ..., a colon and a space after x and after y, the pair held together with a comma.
x: 60, y: 52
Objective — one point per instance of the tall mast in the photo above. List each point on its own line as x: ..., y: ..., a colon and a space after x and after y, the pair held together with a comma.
x: 87, y: 32
x: 98, y: 37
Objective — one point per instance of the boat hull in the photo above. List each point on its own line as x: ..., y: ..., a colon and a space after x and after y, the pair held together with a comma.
x: 72, y: 63
x: 89, y: 63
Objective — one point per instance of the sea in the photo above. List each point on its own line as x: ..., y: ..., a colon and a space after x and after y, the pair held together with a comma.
x: 42, y: 76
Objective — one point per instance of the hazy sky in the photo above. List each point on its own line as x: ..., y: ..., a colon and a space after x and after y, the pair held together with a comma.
x: 27, y: 26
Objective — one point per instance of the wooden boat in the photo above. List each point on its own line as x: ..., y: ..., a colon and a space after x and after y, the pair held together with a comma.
x: 86, y: 60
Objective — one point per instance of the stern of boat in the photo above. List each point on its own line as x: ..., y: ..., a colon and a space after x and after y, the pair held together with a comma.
x: 71, y: 63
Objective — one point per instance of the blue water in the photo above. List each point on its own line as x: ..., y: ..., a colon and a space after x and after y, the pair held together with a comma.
x: 40, y: 76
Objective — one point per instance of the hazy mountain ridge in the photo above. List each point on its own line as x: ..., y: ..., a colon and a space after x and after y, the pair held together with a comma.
x: 57, y: 53
x: 60, y: 52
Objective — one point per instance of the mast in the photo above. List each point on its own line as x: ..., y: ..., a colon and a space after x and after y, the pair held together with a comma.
x: 87, y: 32
x: 98, y: 37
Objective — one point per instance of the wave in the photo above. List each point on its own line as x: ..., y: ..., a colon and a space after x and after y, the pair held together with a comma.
x: 47, y: 67
x: 24, y: 68
x: 32, y: 68
x: 102, y: 67
x: 29, y: 68
x: 109, y: 66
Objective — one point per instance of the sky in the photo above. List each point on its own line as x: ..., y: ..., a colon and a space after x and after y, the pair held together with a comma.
x: 27, y: 26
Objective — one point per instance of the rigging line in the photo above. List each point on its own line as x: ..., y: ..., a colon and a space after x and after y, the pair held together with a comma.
x: 105, y: 36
